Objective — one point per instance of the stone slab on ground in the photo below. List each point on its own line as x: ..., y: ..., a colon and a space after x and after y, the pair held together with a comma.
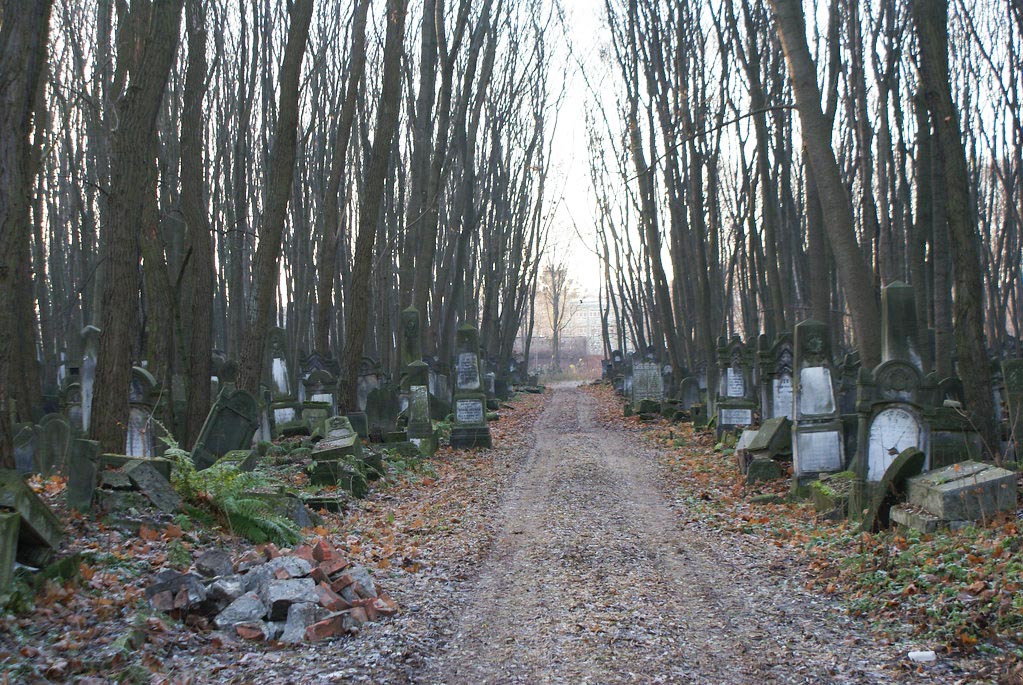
x: 38, y: 528
x: 119, y: 461
x: 968, y: 491
x: 248, y: 607
x: 773, y: 438
x: 153, y: 485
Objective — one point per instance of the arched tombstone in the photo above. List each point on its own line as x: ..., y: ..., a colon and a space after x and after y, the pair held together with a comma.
x: 817, y: 431
x: 893, y: 401
x: 688, y: 393
x: 54, y: 440
x: 140, y: 436
x: 87, y: 374
x: 371, y: 376
x: 735, y: 403
x: 71, y: 400
x: 776, y: 360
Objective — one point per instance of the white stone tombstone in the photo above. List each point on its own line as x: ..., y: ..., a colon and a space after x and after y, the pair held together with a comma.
x: 647, y: 382
x: 892, y: 430
x: 782, y: 395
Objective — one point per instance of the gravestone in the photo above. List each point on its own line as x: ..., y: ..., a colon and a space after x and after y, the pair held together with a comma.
x: 26, y: 445
x: 139, y: 438
x: 953, y: 437
x: 969, y: 491
x: 848, y: 374
x: 411, y: 338
x: 82, y: 468
x: 735, y: 405
x: 1012, y: 384
x: 278, y: 372
x: 688, y: 393
x: 230, y: 425
x: 54, y: 439
x: 371, y: 376
x: 420, y: 427
x: 87, y: 374
x: 817, y: 432
x: 899, y: 334
x: 382, y: 408
x: 470, y: 427
x: 893, y: 401
x: 647, y: 383
x: 775, y: 376
x: 71, y: 400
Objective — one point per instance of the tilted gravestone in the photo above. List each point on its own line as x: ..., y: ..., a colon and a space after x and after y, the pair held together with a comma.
x: 734, y: 404
x: 39, y: 531
x: 470, y: 428
x: 817, y: 428
x: 230, y: 425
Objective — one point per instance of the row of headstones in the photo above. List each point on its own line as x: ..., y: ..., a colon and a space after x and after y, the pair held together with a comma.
x: 843, y: 416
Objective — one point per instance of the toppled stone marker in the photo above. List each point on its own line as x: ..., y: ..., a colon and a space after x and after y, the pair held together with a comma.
x: 153, y: 485
x: 39, y: 530
x: 968, y: 491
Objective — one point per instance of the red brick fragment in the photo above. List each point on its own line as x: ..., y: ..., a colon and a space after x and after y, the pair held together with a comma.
x: 304, y: 552
x: 367, y: 605
x: 163, y: 601
x: 341, y: 582
x: 330, y: 599
x: 333, y: 626
x: 319, y: 576
x: 250, y: 631
x: 333, y: 566
x: 282, y: 574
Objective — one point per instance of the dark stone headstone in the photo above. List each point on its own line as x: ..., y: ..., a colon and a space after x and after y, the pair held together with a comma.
x: 230, y: 425
x: 81, y: 474
x: 470, y: 402
x: 382, y: 408
x: 883, y: 494
x: 154, y: 486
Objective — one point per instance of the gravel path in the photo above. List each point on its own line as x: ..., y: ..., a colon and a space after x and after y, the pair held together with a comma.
x: 592, y: 580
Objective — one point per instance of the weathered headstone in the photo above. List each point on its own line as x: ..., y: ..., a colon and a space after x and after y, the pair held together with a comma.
x: 776, y: 364
x: 382, y: 408
x: 26, y: 444
x: 892, y: 401
x: 419, y: 424
x: 154, y: 486
x: 734, y: 405
x: 899, y: 335
x: 411, y: 338
x: 647, y: 383
x: 817, y: 428
x: 470, y: 428
x: 230, y: 425
x: 139, y: 437
x: 87, y: 376
x: 875, y: 513
x: 54, y: 442
x: 688, y: 393
x: 82, y: 466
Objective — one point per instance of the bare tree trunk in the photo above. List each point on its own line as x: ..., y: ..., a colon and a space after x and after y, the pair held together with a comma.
x: 332, y: 211
x: 152, y: 30
x: 931, y: 21
x: 24, y: 27
x: 856, y: 279
x: 197, y: 224
x: 372, y: 200
x: 280, y: 174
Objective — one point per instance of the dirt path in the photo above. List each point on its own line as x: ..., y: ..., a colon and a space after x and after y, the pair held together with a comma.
x: 592, y: 580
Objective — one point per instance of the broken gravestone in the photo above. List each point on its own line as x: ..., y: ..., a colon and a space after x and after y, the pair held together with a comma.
x: 230, y: 425
x: 39, y: 530
x: 154, y: 486
x: 910, y: 462
x: 968, y: 491
x: 81, y: 474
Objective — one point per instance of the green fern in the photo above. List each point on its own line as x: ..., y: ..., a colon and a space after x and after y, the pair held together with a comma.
x: 229, y: 491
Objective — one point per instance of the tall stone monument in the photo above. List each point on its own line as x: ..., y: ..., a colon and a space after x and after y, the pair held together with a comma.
x: 817, y: 444
x: 735, y: 405
x: 470, y: 402
x: 776, y: 359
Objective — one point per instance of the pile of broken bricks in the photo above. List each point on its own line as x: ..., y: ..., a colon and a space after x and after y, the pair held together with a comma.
x: 310, y: 593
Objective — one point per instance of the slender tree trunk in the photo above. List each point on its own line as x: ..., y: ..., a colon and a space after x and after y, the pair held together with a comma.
x: 856, y: 279
x: 24, y: 27
x: 372, y: 201
x: 280, y: 174
x: 197, y: 224
x: 338, y: 166
x: 152, y: 29
x: 931, y: 19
